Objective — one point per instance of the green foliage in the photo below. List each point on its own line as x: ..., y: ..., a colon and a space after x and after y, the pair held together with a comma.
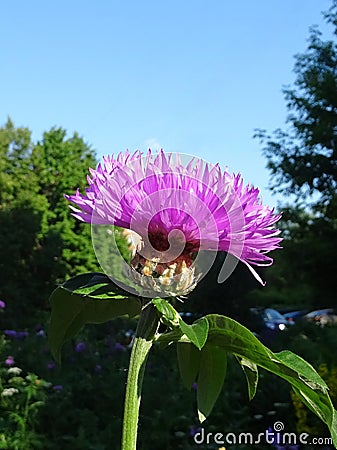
x: 252, y: 375
x: 15, y: 149
x: 189, y: 362
x: 93, y: 298
x: 86, y: 298
x: 211, y: 377
x: 21, y: 398
x: 228, y: 336
x: 317, y: 345
x: 196, y: 333
x: 302, y: 161
x: 85, y: 412
x: 307, y: 422
x: 41, y: 243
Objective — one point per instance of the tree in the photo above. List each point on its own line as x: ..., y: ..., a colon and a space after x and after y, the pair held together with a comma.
x: 303, y: 159
x: 303, y: 162
x: 41, y: 243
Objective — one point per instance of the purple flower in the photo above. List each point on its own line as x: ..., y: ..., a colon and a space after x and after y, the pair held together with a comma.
x: 16, y: 334
x: 119, y: 347
x: 22, y: 334
x: 2, y: 304
x: 177, y: 211
x: 9, y: 361
x: 194, y: 430
x: 98, y: 368
x: 58, y: 387
x: 50, y: 365
x: 10, y: 333
x: 80, y: 347
x: 195, y: 386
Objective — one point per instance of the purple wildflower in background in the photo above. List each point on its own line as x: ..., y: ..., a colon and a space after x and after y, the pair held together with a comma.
x: 194, y: 430
x: 206, y: 208
x: 2, y: 304
x: 51, y: 365
x: 58, y: 387
x: 80, y: 347
x: 22, y: 334
x: 10, y: 333
x: 16, y: 334
x: 119, y: 347
x: 98, y: 368
x: 9, y: 361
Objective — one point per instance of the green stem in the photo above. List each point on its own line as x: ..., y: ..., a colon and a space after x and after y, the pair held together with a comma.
x: 143, y: 340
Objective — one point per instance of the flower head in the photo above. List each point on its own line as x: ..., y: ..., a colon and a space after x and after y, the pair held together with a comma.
x: 58, y: 387
x: 9, y: 361
x: 177, y: 211
x: 14, y: 370
x: 51, y: 365
x: 80, y: 347
x: 16, y: 334
x: 9, y: 392
x: 2, y: 304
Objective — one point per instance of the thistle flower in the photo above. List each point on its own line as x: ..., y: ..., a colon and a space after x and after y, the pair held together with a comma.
x: 178, y: 211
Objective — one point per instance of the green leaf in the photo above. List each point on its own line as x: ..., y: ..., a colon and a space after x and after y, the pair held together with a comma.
x: 188, y: 360
x: 305, y: 370
x: 235, y: 338
x: 197, y: 332
x: 231, y: 337
x: 169, y: 337
x: 212, y: 373
x: 71, y: 310
x: 166, y: 309
x: 252, y: 375
x: 96, y: 285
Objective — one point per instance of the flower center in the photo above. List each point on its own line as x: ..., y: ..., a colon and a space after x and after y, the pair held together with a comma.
x: 177, y: 276
x: 159, y: 241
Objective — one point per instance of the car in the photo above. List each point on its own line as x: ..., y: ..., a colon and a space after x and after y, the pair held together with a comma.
x: 274, y: 320
x: 295, y: 316
x: 322, y: 317
x: 267, y: 322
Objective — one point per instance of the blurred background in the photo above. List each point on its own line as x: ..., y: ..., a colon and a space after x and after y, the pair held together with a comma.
x: 252, y: 86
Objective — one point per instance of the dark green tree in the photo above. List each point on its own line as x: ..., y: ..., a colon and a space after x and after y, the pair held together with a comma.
x: 61, y: 165
x: 303, y: 158
x: 303, y: 163
x: 41, y: 244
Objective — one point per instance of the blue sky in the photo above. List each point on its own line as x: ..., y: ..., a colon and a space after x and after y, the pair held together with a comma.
x: 186, y: 75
